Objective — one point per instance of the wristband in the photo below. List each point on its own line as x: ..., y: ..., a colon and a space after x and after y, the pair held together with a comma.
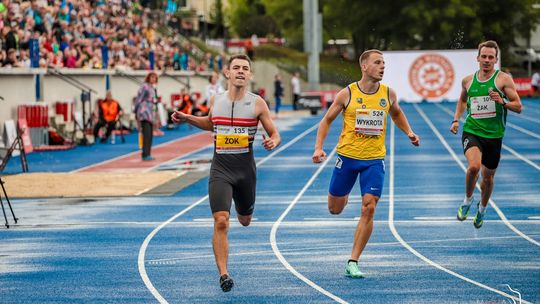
x: 455, y: 120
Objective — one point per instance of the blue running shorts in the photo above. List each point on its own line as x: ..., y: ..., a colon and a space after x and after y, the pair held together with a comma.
x: 347, y: 169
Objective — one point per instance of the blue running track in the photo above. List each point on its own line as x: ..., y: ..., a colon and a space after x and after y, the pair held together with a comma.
x: 158, y: 249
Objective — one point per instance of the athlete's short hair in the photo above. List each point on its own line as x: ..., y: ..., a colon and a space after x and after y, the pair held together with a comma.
x: 239, y: 56
x: 489, y: 44
x: 366, y: 54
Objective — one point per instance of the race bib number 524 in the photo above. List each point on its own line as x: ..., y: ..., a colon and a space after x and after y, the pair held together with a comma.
x: 369, y: 122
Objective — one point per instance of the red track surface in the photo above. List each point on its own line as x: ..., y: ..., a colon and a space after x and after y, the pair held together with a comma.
x: 165, y: 152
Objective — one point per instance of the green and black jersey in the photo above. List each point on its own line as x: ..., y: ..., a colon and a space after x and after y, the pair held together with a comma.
x: 485, y: 117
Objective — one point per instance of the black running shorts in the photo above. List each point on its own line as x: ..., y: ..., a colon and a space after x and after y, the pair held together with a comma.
x: 232, y: 177
x: 489, y: 147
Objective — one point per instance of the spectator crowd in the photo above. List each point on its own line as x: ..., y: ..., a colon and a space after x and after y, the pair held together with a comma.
x: 121, y: 34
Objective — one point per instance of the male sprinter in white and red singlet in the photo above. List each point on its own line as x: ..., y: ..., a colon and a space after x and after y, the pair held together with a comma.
x: 365, y: 105
x: 233, y: 117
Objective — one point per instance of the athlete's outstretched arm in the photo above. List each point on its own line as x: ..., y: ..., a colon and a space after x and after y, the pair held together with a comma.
x: 263, y: 113
x: 201, y: 122
x: 461, y: 104
x: 400, y: 119
x: 339, y: 103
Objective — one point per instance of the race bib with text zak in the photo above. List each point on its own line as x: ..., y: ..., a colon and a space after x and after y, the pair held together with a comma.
x: 482, y: 107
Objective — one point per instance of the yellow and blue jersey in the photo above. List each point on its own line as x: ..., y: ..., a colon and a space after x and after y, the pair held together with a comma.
x: 364, y: 124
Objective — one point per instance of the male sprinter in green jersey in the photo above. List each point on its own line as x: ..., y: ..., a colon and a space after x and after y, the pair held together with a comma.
x: 487, y: 95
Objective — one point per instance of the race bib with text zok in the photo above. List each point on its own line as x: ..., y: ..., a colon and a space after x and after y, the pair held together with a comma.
x: 232, y: 140
x: 369, y: 122
x: 482, y: 107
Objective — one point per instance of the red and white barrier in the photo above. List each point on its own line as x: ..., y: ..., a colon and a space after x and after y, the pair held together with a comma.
x: 523, y: 86
x: 37, y: 118
x: 65, y: 109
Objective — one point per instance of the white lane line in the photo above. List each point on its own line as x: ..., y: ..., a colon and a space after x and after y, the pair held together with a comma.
x: 530, y: 106
x: 523, y: 130
x: 276, y: 226
x: 530, y: 118
x: 460, y: 163
x: 434, y: 218
x: 209, y: 219
x: 328, y: 219
x: 144, y: 246
x: 142, y: 251
x: 308, y: 222
x: 523, y: 158
x: 417, y: 220
x: 534, y: 217
x: 407, y: 246
x: 507, y: 148
x: 198, y: 256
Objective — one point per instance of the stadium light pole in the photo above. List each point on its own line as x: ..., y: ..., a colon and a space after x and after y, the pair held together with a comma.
x: 313, y: 41
x: 529, y: 64
x: 205, y: 24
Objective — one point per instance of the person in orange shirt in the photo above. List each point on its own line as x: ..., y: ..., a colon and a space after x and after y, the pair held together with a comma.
x: 185, y: 104
x: 109, y: 113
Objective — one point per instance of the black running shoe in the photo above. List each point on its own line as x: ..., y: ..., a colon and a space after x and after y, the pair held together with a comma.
x: 226, y: 283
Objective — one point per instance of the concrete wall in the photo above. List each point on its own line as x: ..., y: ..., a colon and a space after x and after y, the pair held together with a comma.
x: 17, y: 86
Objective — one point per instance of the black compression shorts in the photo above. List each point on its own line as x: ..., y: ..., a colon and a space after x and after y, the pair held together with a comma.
x: 232, y: 178
x: 489, y: 147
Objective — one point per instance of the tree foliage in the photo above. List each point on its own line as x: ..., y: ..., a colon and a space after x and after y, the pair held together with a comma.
x: 247, y: 17
x: 216, y: 16
x: 398, y: 25
x: 429, y: 24
x: 289, y: 19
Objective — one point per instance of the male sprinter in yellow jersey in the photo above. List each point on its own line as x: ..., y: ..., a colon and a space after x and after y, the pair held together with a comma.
x: 361, y: 149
